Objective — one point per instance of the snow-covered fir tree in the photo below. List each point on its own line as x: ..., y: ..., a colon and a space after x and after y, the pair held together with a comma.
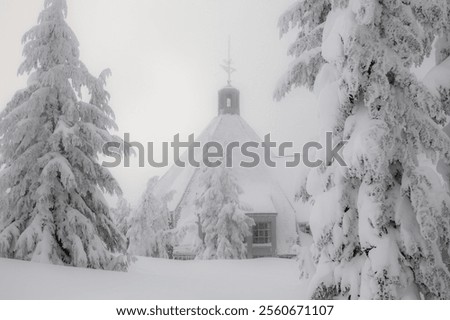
x: 121, y: 214
x: 381, y: 225
x: 222, y: 221
x: 52, y: 184
x: 169, y: 234
x: 151, y: 226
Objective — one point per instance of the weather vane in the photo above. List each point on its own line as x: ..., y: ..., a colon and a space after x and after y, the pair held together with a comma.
x: 227, y: 65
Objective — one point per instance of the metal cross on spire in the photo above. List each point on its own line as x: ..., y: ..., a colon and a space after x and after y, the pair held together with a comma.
x: 228, y: 63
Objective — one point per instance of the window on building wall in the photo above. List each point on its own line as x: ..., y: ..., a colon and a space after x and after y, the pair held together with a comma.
x: 262, y: 233
x: 229, y: 102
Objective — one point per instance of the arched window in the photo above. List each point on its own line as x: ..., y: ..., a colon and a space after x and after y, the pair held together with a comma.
x: 228, y: 102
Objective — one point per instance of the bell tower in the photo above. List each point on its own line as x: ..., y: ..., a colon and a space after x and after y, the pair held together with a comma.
x: 229, y: 96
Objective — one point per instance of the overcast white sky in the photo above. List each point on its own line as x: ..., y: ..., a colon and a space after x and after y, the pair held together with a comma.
x: 165, y: 57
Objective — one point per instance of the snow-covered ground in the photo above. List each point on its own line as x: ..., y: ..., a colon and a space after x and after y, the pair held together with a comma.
x: 267, y: 278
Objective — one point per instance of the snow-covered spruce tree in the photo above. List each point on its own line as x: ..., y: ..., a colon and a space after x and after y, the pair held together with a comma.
x: 380, y: 225
x: 121, y: 214
x: 223, y: 223
x: 169, y: 234
x: 150, y: 232
x: 51, y: 183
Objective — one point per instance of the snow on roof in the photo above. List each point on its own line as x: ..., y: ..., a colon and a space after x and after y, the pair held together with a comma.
x: 223, y: 129
x: 261, y: 190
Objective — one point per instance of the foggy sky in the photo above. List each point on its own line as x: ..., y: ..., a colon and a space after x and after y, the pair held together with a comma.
x: 165, y: 58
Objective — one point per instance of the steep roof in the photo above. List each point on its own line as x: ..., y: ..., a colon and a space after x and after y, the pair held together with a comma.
x: 261, y: 191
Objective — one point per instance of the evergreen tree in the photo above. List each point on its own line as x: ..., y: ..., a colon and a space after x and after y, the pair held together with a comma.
x: 121, y: 214
x: 223, y: 223
x: 169, y: 234
x: 51, y: 183
x: 150, y: 232
x: 381, y: 225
